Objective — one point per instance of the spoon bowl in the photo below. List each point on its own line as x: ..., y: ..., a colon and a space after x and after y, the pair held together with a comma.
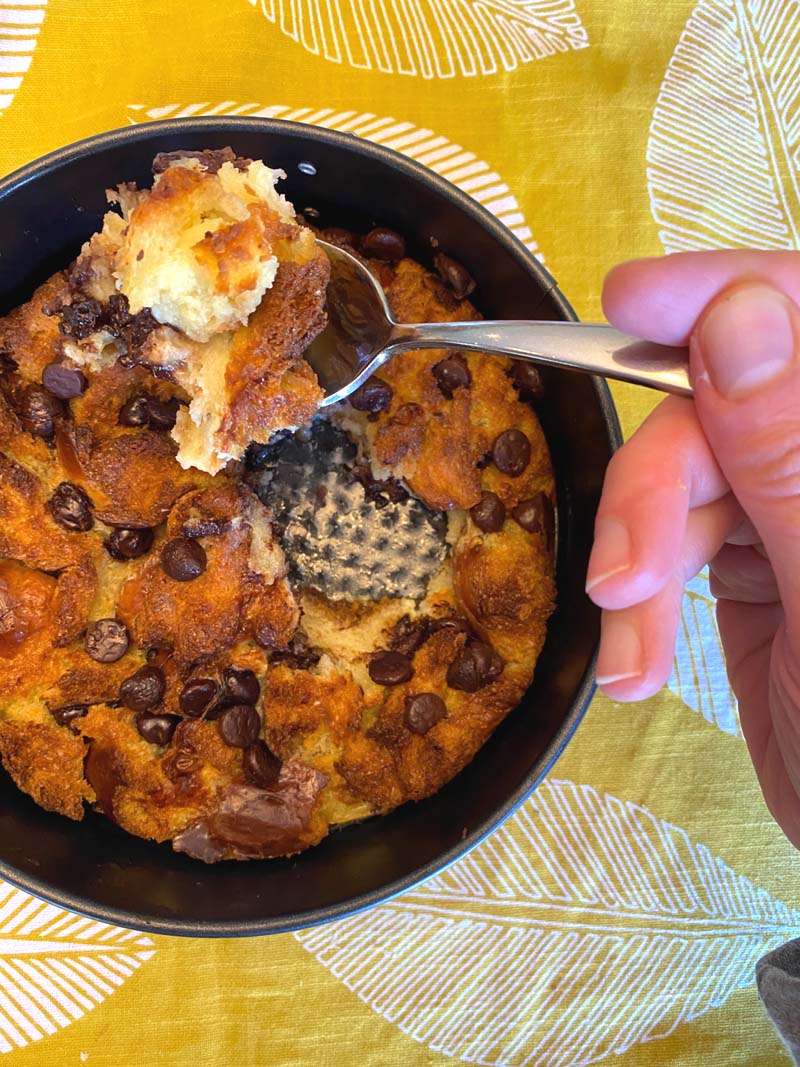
x: 362, y: 334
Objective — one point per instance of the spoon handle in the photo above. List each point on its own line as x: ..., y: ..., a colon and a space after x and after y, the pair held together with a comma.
x: 597, y: 348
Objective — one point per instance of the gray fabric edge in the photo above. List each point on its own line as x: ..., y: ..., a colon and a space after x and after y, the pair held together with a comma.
x: 778, y: 982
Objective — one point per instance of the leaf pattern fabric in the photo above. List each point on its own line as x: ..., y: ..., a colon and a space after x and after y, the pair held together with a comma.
x: 617, y: 916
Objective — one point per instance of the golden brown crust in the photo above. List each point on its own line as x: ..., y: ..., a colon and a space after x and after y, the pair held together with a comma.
x: 30, y: 334
x: 47, y: 763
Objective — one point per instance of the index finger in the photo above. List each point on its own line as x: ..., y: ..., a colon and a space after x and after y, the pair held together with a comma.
x: 661, y: 299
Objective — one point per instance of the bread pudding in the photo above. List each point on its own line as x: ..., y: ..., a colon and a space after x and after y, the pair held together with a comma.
x: 227, y: 621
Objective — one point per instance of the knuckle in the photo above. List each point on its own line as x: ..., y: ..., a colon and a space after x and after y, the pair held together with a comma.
x: 768, y: 463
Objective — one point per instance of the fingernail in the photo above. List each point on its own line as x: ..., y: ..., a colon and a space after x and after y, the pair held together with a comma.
x: 621, y: 651
x: 611, y: 552
x: 747, y: 341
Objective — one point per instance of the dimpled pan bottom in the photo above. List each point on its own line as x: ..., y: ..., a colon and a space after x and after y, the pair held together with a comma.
x: 345, y: 534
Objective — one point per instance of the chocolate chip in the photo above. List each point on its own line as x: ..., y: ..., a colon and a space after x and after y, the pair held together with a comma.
x: 106, y: 640
x: 128, y: 544
x: 383, y: 244
x: 143, y: 410
x: 511, y: 452
x: 239, y: 725
x: 144, y: 689
x: 80, y: 318
x: 423, y: 711
x: 183, y: 559
x: 240, y: 686
x: 452, y: 373
x: 196, y: 696
x: 157, y: 729
x: 490, y: 663
x: 528, y: 380
x: 536, y: 515
x: 136, y: 412
x: 62, y: 381
x: 337, y: 235
x: 38, y: 411
x: 374, y: 395
x: 162, y: 413
x: 390, y: 668
x: 474, y: 667
x: 66, y: 716
x: 489, y: 513
x: 454, y: 275
x: 71, y: 508
x: 261, y: 767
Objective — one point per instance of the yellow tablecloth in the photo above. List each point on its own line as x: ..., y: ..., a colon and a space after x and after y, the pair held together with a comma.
x: 617, y: 918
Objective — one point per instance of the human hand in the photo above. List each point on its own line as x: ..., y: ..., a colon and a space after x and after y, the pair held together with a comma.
x: 717, y: 480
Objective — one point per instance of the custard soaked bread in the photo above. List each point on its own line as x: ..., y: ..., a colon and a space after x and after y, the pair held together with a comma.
x: 235, y: 646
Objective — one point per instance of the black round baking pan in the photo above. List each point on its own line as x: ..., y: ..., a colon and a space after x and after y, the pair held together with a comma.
x: 47, y: 209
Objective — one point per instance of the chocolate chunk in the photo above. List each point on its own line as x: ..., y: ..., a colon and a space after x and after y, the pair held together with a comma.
x: 452, y: 373
x: 62, y: 381
x: 383, y: 244
x: 511, y: 452
x: 162, y: 413
x: 196, y: 696
x: 132, y: 330
x: 474, y: 667
x: 157, y: 729
x: 80, y: 318
x: 536, y: 515
x: 66, y: 716
x: 126, y: 544
x: 423, y: 711
x: 374, y: 395
x: 183, y: 559
x: 71, y: 508
x: 144, y: 689
x: 106, y: 640
x: 239, y: 687
x: 410, y: 634
x: 239, y: 725
x: 300, y: 656
x: 261, y: 767
x: 458, y: 278
x: 253, y: 823
x: 390, y: 668
x: 528, y: 380
x: 38, y: 411
x: 380, y: 491
x: 489, y: 513
x: 136, y: 412
x: 210, y: 159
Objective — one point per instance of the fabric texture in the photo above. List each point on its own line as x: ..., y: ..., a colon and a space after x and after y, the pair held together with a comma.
x: 618, y: 916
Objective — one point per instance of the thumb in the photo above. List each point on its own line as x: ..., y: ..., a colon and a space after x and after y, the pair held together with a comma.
x: 745, y: 358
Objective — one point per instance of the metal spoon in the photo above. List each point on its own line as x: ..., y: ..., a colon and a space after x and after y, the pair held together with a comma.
x: 361, y: 335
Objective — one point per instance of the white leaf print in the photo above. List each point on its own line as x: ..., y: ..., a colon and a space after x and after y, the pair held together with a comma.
x: 584, y: 926
x: 451, y: 161
x: 430, y: 38
x: 55, y: 966
x: 725, y: 135
x: 19, y: 28
x: 698, y: 675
